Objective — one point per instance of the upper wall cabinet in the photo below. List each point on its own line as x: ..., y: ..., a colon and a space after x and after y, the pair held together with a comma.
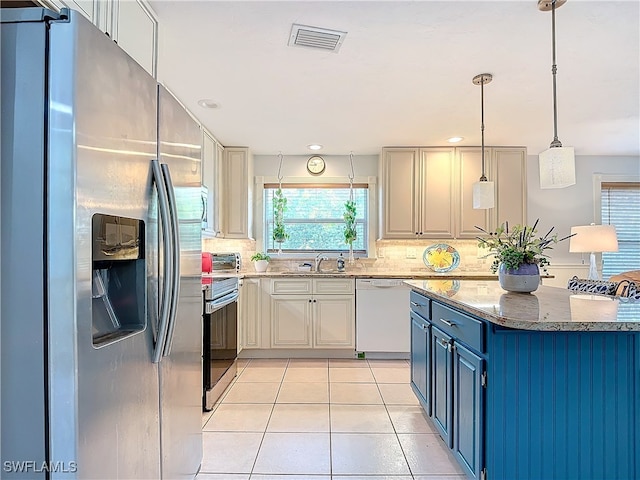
x: 417, y: 192
x: 427, y: 192
x: 509, y: 166
x: 237, y: 191
x: 136, y: 31
x: 212, y: 153
x: 130, y: 23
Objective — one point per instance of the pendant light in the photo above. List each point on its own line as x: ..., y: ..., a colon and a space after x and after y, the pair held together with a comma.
x: 483, y: 190
x: 557, y: 164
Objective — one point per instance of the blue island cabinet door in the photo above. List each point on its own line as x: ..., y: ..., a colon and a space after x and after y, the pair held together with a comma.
x: 441, y: 396
x: 420, y: 360
x: 468, y: 409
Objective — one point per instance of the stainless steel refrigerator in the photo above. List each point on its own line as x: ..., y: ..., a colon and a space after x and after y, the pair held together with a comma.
x: 101, y: 334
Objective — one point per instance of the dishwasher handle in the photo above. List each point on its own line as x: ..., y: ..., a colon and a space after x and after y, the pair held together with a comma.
x: 383, y: 283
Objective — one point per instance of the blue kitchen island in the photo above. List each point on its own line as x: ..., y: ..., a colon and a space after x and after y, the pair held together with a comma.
x: 541, y: 386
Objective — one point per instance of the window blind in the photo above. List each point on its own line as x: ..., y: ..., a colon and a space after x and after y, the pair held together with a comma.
x: 621, y: 208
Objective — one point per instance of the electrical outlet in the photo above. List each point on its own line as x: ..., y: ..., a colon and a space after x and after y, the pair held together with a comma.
x: 380, y: 252
x: 411, y: 252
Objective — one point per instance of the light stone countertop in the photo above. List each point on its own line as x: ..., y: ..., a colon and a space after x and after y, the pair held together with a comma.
x: 364, y: 274
x: 548, y: 308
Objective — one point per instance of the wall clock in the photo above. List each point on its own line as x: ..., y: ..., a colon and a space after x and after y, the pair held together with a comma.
x: 315, y: 165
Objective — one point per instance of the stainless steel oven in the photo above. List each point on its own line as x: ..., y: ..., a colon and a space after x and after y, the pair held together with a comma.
x: 220, y: 336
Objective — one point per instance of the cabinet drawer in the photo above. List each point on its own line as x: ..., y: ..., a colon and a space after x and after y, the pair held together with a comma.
x: 327, y: 286
x: 291, y: 286
x: 459, y: 325
x: 420, y: 304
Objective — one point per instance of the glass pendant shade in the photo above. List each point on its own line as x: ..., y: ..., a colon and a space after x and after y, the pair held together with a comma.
x: 483, y: 195
x: 557, y: 167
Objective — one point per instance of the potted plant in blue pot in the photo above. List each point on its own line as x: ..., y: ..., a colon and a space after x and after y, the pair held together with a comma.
x: 518, y: 255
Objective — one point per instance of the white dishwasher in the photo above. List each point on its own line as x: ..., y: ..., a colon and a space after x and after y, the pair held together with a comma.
x: 382, y: 316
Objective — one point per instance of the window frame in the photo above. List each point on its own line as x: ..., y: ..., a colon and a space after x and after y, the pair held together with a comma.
x: 259, y: 213
x: 598, y: 180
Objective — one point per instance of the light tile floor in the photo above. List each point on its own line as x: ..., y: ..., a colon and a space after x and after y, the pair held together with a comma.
x: 322, y: 419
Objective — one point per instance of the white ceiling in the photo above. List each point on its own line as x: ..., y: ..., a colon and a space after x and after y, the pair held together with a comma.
x: 403, y: 75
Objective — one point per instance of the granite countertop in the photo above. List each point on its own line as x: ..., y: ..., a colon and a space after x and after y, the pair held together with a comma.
x: 364, y: 274
x: 548, y: 308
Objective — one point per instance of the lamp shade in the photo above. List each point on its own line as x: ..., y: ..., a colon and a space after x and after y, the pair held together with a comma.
x: 483, y: 195
x: 557, y: 167
x: 593, y: 238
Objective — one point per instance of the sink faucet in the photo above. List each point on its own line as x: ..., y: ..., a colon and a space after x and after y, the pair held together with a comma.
x: 319, y: 258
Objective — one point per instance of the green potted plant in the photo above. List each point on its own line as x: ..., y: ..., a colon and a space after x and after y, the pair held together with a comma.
x: 279, y: 207
x: 350, y: 233
x: 518, y: 254
x: 261, y: 261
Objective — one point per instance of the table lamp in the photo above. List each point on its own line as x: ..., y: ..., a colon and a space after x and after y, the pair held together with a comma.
x: 591, y: 239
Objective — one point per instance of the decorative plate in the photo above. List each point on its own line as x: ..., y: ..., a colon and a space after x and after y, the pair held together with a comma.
x: 441, y: 257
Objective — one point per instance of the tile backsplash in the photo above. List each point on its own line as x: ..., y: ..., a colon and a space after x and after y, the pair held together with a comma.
x: 391, y: 255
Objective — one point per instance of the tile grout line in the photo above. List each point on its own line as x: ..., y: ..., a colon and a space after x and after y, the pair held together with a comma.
x: 264, y: 434
x: 394, y: 429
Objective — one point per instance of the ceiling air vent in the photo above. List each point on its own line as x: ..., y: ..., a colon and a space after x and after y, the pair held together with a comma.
x: 314, y: 37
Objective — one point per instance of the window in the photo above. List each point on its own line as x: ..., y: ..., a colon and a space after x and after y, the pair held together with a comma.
x: 314, y: 218
x: 621, y: 208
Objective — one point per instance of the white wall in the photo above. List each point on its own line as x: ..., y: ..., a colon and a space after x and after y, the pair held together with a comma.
x: 296, y: 165
x: 566, y: 207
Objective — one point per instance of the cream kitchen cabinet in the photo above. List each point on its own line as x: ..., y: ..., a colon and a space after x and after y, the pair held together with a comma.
x: 252, y: 298
x: 427, y: 192
x: 469, y: 172
x: 135, y: 28
x: 417, y: 197
x: 509, y: 166
x: 130, y: 23
x: 312, y: 313
x: 212, y: 153
x: 237, y: 192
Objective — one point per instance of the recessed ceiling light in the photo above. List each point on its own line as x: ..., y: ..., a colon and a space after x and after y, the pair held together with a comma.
x: 455, y: 139
x: 314, y: 146
x: 208, y: 103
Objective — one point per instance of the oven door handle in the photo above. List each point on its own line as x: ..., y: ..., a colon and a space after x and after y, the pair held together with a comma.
x: 226, y: 300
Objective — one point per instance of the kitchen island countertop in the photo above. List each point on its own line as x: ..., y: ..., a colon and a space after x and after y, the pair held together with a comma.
x: 546, y: 309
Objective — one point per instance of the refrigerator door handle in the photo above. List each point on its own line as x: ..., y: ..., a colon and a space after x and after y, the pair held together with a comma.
x: 175, y: 287
x: 165, y: 303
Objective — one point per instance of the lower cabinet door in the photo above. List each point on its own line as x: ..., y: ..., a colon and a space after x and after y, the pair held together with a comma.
x: 333, y: 321
x: 441, y: 374
x: 290, y: 321
x: 420, y: 360
x: 468, y: 408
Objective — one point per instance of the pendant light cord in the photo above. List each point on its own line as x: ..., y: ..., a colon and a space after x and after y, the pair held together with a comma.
x: 554, y: 71
x: 483, y: 177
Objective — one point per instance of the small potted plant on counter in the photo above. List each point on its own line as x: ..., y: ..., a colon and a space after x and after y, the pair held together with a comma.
x: 518, y: 255
x: 261, y: 261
